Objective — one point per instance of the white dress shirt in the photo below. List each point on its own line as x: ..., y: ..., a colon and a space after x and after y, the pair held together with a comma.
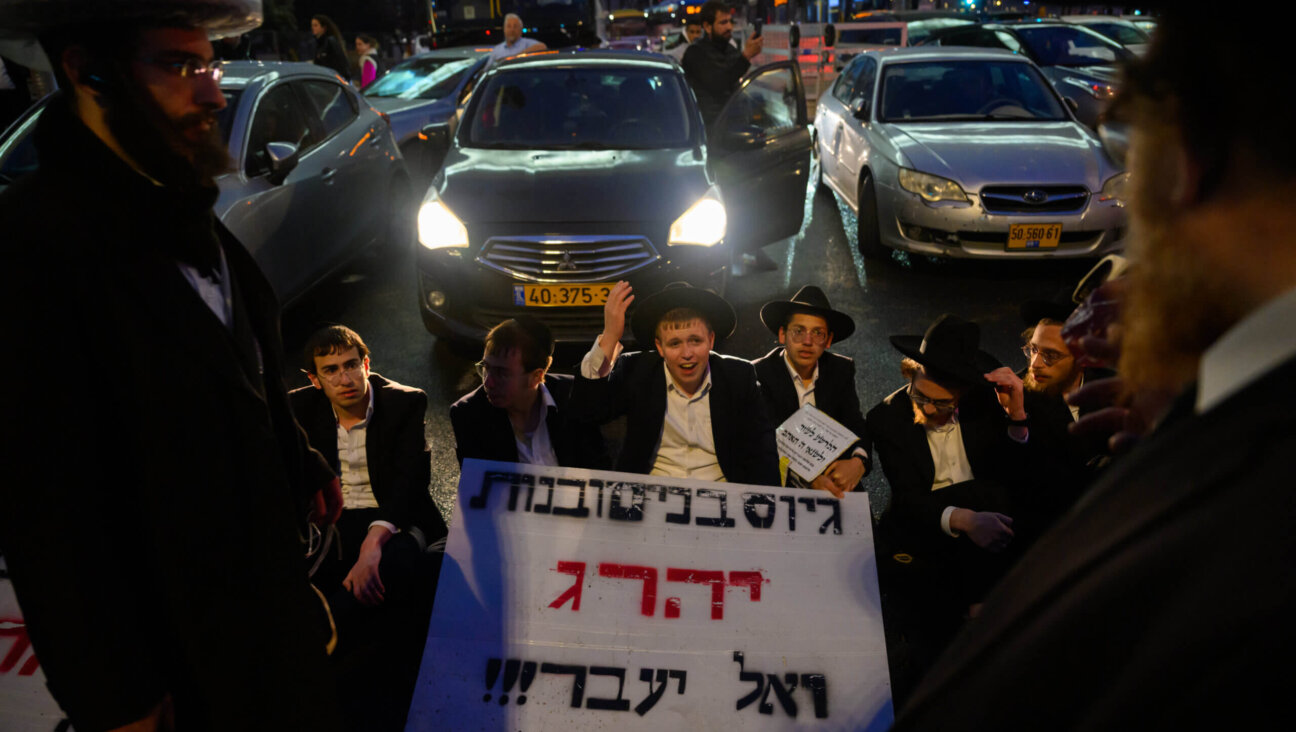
x: 1258, y: 343
x: 353, y: 461
x: 534, y: 447
x: 950, y: 461
x: 687, y: 446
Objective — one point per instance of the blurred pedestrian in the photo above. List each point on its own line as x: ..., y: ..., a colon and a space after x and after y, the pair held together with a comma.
x: 329, y: 46
x: 233, y: 48
x: 692, y: 32
x: 366, y: 47
x: 514, y: 42
x: 1163, y: 599
x: 159, y: 563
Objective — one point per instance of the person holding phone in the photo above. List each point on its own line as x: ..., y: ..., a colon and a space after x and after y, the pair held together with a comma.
x: 712, y: 66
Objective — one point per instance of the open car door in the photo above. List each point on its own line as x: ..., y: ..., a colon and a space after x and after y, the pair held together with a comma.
x: 760, y: 145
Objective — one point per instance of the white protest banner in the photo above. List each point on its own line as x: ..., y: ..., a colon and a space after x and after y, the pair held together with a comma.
x: 25, y: 702
x: 811, y: 440
x: 573, y: 599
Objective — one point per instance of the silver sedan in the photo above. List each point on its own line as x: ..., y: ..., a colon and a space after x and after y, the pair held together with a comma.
x: 966, y: 153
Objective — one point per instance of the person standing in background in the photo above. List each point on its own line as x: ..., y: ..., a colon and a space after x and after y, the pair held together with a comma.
x: 328, y: 46
x: 366, y: 47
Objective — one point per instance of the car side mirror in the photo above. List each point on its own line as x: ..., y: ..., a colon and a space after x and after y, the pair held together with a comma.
x: 794, y: 36
x: 860, y: 108
x: 437, y: 135
x: 830, y: 35
x: 283, y: 158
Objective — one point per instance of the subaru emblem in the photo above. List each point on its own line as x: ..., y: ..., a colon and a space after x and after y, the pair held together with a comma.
x: 1035, y: 196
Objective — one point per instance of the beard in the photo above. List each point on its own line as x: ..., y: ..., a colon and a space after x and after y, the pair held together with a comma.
x: 1054, y: 388
x: 161, y: 146
x: 1176, y: 305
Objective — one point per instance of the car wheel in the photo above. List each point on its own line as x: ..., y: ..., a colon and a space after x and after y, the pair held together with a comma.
x: 868, y: 238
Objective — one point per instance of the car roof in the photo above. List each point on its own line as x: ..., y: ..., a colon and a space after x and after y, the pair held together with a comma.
x: 590, y: 56
x: 238, y: 74
x: 943, y: 53
x: 1086, y: 19
x: 451, y: 52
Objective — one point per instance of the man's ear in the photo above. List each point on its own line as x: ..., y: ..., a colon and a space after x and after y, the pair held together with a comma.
x: 660, y: 351
x: 828, y: 343
x: 782, y: 336
x: 314, y: 380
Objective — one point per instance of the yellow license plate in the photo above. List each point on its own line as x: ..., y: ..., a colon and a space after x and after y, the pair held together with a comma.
x: 561, y: 296
x: 1034, y: 236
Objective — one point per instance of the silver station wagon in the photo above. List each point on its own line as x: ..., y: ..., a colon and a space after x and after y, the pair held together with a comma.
x: 958, y: 152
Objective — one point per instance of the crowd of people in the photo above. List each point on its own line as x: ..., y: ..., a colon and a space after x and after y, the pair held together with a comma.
x: 1033, y: 574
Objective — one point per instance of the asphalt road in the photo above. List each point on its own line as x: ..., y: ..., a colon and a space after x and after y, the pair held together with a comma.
x: 377, y: 296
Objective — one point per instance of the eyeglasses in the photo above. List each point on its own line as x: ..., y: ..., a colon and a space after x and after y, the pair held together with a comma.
x: 333, y: 374
x: 1048, y: 357
x: 817, y: 336
x: 943, y: 406
x: 188, y: 68
x: 499, y: 373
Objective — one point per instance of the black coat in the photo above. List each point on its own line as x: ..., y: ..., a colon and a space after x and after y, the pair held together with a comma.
x: 713, y: 70
x: 1164, y: 600
x: 329, y: 54
x: 396, y: 451
x: 152, y: 517
x: 483, y: 431
x: 636, y: 387
x: 1066, y: 463
x: 834, y: 392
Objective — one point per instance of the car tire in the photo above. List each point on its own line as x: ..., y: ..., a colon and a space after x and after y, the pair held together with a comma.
x: 868, y: 237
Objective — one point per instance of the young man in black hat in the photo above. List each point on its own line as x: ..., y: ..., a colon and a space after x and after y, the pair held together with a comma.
x: 802, y: 371
x: 691, y: 413
x: 519, y: 413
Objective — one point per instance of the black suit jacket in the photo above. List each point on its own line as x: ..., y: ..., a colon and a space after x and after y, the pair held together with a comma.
x: 483, y: 431
x: 636, y: 387
x: 906, y: 459
x: 1164, y: 600
x: 1066, y: 463
x: 400, y: 464
x: 834, y: 392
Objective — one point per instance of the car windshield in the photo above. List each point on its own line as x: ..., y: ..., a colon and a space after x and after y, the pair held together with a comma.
x: 582, y: 107
x: 1124, y: 34
x: 966, y: 90
x: 1055, y: 45
x: 921, y: 30
x: 427, y: 77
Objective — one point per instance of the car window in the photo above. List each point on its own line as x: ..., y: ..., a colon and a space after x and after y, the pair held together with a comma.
x: 920, y: 30
x: 278, y: 118
x: 1009, y: 41
x: 333, y: 105
x: 1070, y: 46
x: 966, y: 90
x: 975, y: 37
x: 862, y: 87
x: 586, y: 107
x: 842, y: 88
x: 768, y: 104
x: 870, y: 36
x: 18, y: 154
x: 421, y: 78
x: 1124, y: 34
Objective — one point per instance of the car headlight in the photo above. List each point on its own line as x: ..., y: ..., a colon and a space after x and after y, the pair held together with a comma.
x: 438, y: 227
x: 1096, y: 89
x: 702, y: 224
x: 1114, y: 188
x: 931, y: 187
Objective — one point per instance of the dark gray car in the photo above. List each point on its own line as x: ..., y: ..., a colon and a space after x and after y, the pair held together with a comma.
x: 317, y: 174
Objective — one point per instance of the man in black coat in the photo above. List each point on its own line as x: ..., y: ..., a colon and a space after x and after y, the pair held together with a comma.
x: 802, y: 371
x: 519, y: 413
x: 153, y: 517
x: 690, y: 412
x: 712, y: 66
x: 1165, y: 598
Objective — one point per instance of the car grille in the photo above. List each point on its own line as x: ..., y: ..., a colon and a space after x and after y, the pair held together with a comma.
x: 566, y: 324
x: 567, y: 258
x: 1034, y: 199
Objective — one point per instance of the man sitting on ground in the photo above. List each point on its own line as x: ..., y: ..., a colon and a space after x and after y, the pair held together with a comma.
x: 519, y: 413
x: 691, y: 413
x: 802, y: 371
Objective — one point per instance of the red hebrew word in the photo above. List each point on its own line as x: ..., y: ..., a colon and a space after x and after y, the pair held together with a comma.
x: 16, y: 629
x: 751, y: 580
x: 630, y: 571
x: 701, y: 577
x: 573, y: 593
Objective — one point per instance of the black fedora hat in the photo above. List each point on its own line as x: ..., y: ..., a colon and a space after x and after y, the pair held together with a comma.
x: 809, y: 299
x: 950, y: 346
x: 718, y: 313
x: 1059, y: 308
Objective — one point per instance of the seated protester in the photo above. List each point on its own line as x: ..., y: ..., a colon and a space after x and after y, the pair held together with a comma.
x: 691, y: 413
x: 370, y: 430
x: 1068, y: 463
x: 802, y: 371
x: 519, y: 413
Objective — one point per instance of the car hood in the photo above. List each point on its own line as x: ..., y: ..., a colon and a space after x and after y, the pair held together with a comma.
x: 569, y: 186
x: 977, y: 154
